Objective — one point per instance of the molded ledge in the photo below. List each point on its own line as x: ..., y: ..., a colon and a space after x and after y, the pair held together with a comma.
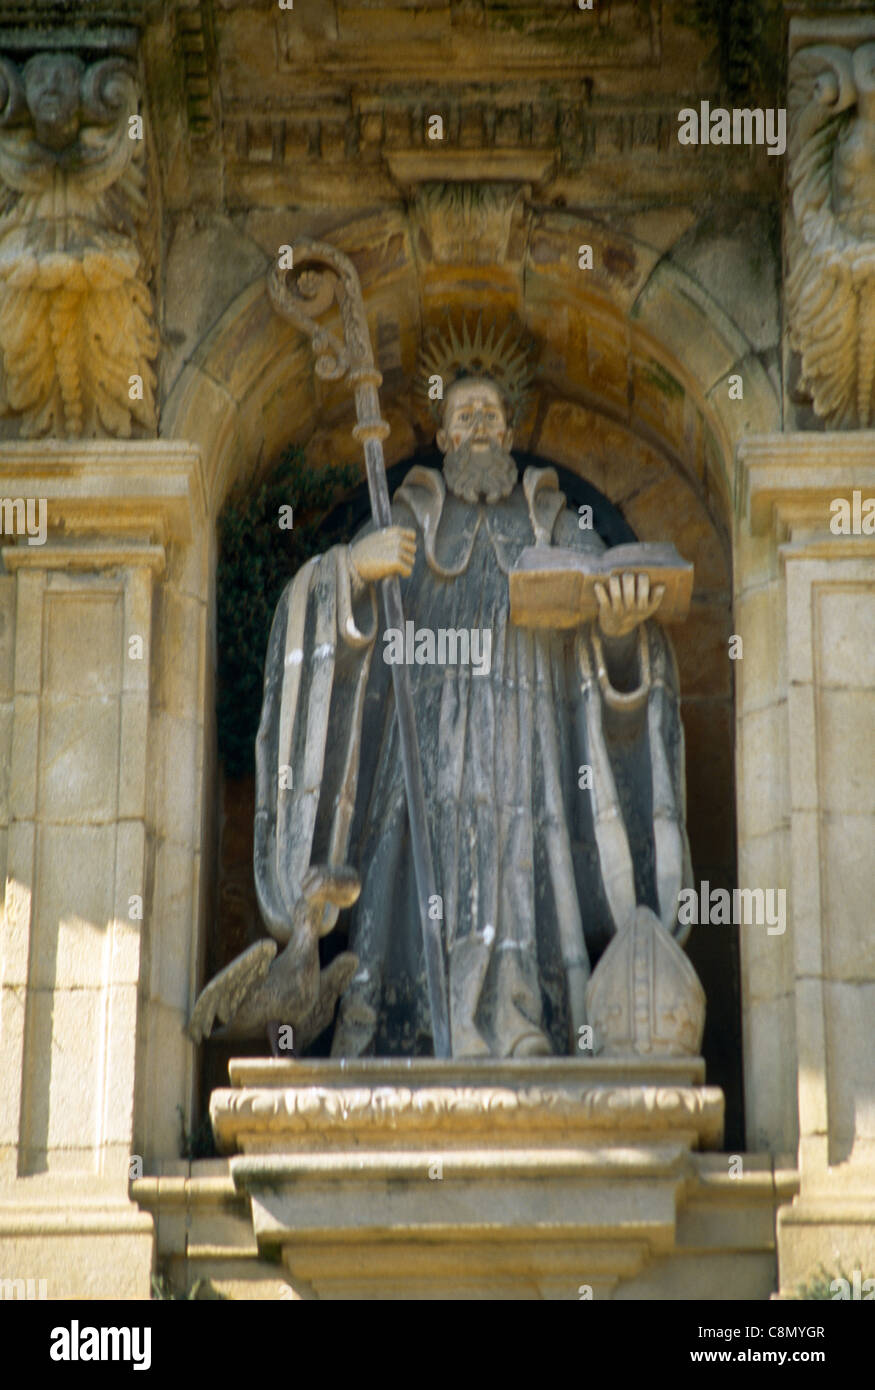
x: 786, y: 481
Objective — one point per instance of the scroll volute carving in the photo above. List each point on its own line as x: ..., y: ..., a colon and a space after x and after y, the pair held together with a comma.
x: 77, y: 334
x: 831, y: 229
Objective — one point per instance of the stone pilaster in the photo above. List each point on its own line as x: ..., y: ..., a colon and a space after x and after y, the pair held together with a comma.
x: 104, y: 664
x: 807, y: 614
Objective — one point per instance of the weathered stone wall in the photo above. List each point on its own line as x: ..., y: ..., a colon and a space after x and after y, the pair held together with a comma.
x: 558, y: 131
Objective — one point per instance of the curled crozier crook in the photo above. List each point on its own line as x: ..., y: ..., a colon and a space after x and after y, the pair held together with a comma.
x: 305, y: 291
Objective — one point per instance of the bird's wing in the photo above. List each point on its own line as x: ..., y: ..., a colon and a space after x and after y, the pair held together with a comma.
x: 333, y: 982
x: 225, y: 993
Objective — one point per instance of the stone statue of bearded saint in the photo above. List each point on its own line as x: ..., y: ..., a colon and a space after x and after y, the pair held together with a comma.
x: 535, y: 870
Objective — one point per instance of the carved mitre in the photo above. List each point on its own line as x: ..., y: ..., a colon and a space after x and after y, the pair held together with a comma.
x: 644, y: 998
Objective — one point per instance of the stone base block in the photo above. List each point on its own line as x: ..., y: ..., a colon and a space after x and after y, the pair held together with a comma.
x: 830, y: 1238
x: 424, y: 1105
x: 84, y: 1250
x: 552, y: 1178
x: 724, y: 1243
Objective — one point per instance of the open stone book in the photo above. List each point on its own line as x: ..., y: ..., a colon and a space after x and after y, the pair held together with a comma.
x: 555, y: 587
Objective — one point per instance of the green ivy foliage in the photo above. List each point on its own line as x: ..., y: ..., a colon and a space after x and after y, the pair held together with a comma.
x: 256, y: 559
x: 818, y: 1287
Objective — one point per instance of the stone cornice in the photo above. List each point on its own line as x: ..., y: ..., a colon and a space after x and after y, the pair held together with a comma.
x: 429, y: 1071
x: 535, y: 167
x: 99, y: 26
x: 92, y: 557
x: 787, y: 481
x: 254, y: 1172
x: 152, y: 490
x: 376, y: 1109
x: 40, y: 14
x: 238, y: 1115
x: 497, y: 1152
x: 845, y: 29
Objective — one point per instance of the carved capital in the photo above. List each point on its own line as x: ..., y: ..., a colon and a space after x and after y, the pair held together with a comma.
x: 77, y: 334
x: 831, y: 226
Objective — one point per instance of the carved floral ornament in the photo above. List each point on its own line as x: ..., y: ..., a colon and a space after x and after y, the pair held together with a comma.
x: 831, y: 229
x: 76, y: 330
x: 391, y: 1107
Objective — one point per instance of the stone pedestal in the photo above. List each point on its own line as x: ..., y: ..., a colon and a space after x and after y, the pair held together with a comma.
x: 100, y: 847
x: 806, y: 612
x: 439, y: 1179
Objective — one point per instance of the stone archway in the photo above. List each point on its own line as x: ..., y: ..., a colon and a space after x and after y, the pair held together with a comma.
x: 638, y: 340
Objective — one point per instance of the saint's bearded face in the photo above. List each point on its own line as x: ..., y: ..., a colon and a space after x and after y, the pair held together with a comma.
x: 475, y: 442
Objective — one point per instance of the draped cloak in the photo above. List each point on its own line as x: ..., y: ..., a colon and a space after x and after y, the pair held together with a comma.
x: 538, y: 861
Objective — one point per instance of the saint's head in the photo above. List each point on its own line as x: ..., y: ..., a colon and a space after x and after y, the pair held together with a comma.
x: 476, y: 382
x: 475, y: 440
x: 474, y: 410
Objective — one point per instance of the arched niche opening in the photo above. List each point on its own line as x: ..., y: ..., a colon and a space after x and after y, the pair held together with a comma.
x: 631, y: 396
x: 651, y: 503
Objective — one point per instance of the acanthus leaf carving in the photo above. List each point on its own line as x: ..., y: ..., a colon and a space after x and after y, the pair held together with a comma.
x: 76, y: 316
x: 831, y: 229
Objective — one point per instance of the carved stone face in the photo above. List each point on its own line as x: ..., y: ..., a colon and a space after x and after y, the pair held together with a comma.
x: 474, y: 414
x: 52, y: 82
x: 475, y: 442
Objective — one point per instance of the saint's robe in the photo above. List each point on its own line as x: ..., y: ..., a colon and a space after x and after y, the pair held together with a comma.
x: 554, y: 783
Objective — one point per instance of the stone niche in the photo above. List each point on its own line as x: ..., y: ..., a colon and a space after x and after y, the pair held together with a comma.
x: 641, y: 486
